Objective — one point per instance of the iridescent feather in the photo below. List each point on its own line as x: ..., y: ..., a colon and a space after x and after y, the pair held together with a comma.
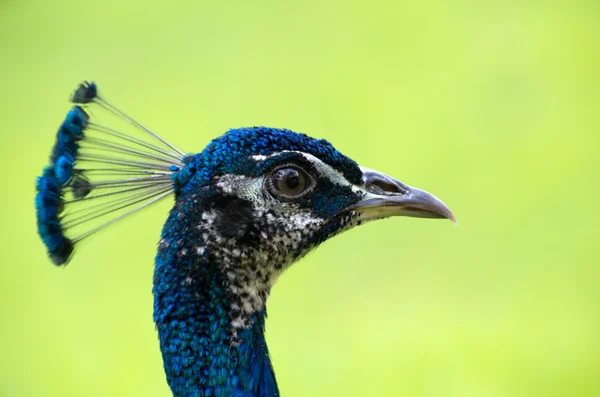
x: 104, y: 167
x: 237, y: 223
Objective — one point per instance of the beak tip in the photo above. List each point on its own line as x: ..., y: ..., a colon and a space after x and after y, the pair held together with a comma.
x: 449, y: 215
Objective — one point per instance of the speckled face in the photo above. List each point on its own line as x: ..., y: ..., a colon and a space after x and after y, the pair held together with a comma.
x: 258, y: 199
x: 259, y: 225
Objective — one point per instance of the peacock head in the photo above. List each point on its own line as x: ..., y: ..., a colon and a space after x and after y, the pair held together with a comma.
x: 265, y: 197
x: 250, y: 204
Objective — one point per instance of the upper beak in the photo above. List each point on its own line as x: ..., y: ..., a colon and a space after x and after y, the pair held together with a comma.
x: 385, y: 197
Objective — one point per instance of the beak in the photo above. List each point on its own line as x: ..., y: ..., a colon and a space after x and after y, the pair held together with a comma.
x: 385, y: 197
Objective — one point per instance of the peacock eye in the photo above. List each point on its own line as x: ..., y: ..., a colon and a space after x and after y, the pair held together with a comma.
x: 289, y: 182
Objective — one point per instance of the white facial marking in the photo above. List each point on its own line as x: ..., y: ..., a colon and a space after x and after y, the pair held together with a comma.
x: 283, y: 229
x: 259, y: 157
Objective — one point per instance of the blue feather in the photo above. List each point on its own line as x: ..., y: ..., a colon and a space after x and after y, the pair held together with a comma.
x: 203, y: 356
x: 247, y: 206
x: 90, y: 157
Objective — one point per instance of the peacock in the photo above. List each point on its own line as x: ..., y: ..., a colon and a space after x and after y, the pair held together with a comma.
x: 253, y: 202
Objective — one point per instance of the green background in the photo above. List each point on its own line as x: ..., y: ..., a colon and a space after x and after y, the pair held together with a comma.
x: 493, y: 106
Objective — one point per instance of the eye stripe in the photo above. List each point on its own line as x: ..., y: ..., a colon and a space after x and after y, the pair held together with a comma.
x: 259, y: 157
x: 314, y: 162
x: 276, y: 160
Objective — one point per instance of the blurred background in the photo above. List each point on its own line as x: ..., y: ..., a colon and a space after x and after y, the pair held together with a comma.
x: 492, y: 106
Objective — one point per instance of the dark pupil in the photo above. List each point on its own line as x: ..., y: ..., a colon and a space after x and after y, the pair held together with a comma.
x: 289, y: 181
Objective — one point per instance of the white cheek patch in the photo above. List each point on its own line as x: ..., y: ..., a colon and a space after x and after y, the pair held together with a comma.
x: 245, y: 187
x: 288, y: 226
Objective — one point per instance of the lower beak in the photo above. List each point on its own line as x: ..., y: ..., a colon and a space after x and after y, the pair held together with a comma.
x: 385, y: 197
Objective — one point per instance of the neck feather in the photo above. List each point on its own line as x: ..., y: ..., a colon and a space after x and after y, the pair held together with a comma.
x: 204, y: 354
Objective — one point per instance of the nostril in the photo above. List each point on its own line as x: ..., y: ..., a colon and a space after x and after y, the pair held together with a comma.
x: 382, y: 184
x: 379, y: 186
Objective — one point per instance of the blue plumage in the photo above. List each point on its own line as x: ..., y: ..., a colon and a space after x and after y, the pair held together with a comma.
x: 250, y: 204
x: 48, y: 199
x: 63, y: 185
x: 228, y: 154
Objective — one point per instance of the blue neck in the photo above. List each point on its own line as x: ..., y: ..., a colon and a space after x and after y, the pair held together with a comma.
x: 202, y: 354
